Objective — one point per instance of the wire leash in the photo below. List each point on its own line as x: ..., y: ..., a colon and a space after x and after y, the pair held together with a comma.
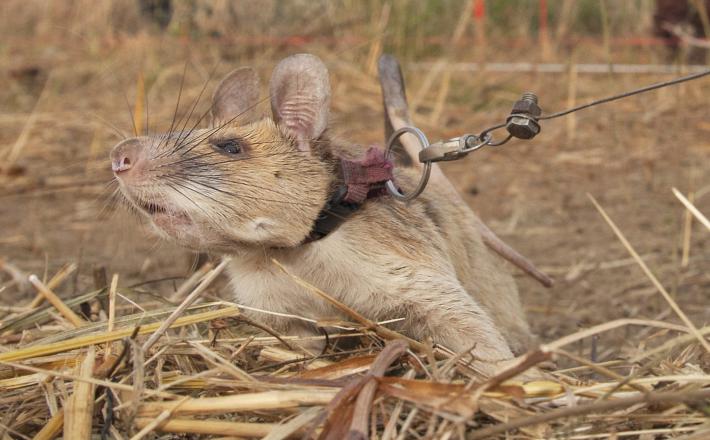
x: 523, y: 122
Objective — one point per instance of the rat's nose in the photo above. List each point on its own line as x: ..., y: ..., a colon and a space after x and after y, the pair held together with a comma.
x: 125, y: 156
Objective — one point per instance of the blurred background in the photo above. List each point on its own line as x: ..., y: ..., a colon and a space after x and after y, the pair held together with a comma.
x: 80, y: 75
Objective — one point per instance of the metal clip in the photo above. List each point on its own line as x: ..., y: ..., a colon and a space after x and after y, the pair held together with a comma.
x: 452, y: 149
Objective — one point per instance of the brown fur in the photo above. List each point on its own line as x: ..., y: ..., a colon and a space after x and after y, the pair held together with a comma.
x: 424, y: 261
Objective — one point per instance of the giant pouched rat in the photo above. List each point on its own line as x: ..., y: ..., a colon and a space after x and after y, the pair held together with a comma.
x: 252, y: 187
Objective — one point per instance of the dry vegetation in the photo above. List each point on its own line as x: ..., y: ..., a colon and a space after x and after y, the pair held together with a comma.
x: 625, y: 351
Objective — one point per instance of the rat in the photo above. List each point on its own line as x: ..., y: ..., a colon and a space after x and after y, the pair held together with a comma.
x: 253, y: 186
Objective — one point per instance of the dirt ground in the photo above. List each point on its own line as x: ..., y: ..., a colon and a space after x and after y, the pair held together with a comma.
x: 61, y: 105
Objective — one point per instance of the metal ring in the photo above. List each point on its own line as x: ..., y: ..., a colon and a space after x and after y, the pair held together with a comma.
x: 424, y: 142
x: 487, y: 134
x: 488, y: 130
x: 492, y: 143
x: 482, y: 142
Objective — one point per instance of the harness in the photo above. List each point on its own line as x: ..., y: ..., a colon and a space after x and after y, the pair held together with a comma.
x: 361, y: 180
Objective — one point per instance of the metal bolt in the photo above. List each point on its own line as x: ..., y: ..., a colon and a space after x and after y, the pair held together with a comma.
x: 522, y: 122
x: 527, y: 105
x: 522, y: 127
x: 530, y: 97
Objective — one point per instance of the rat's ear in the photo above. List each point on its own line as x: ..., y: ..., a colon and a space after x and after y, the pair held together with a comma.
x: 236, y: 97
x: 300, y: 97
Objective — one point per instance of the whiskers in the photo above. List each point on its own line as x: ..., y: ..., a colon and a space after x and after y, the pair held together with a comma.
x: 112, y: 200
x: 183, y: 136
x: 247, y: 195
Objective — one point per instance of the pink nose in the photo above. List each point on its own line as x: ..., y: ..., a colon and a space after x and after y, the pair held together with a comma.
x: 121, y: 164
x: 125, y: 156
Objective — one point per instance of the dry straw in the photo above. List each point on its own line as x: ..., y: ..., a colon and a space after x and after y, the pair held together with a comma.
x: 230, y: 384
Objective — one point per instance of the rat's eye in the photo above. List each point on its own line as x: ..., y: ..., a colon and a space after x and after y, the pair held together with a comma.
x: 229, y: 146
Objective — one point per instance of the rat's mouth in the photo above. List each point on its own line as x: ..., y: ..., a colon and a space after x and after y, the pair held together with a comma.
x: 164, y: 217
x: 152, y: 208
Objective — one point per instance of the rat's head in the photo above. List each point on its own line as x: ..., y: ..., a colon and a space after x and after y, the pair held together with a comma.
x: 246, y: 181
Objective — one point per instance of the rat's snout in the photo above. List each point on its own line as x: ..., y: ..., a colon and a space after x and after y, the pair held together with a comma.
x: 126, y: 157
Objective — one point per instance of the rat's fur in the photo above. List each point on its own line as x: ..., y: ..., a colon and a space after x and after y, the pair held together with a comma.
x: 424, y: 261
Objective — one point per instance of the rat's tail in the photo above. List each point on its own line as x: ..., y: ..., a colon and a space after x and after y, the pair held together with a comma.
x: 394, y: 100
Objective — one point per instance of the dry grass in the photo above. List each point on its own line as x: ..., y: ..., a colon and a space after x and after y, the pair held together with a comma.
x: 624, y: 339
x: 214, y: 378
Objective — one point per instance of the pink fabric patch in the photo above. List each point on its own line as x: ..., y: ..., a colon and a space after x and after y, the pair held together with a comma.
x: 365, y: 178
